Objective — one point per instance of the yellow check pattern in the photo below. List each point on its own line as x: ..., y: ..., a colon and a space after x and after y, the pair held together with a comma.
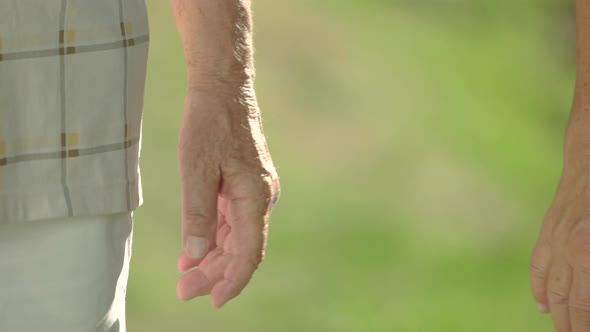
x: 72, y: 75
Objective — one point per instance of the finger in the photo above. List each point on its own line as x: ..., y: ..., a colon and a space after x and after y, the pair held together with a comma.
x: 225, y: 291
x: 579, y: 303
x: 248, y: 220
x: 199, y: 282
x: 558, y: 289
x: 222, y: 234
x: 185, y: 263
x: 221, y: 211
x: 236, y: 277
x: 275, y: 196
x: 245, y: 244
x: 539, y: 268
x: 223, y: 228
x: 247, y: 213
x: 193, y: 284
x: 199, y: 208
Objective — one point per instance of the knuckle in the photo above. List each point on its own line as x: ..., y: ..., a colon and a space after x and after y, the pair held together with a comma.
x: 276, y: 191
x: 557, y: 296
x: 273, y: 188
x: 580, y: 310
x: 259, y: 183
x: 197, y: 216
x: 261, y: 256
x: 265, y: 188
x: 197, y: 220
x: 268, y: 186
x: 537, y: 272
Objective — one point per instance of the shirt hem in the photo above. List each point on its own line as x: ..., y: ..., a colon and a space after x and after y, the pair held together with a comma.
x: 86, y: 199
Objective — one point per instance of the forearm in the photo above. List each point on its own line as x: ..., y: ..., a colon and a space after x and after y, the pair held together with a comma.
x: 217, y: 40
x: 582, y: 87
x: 577, y: 135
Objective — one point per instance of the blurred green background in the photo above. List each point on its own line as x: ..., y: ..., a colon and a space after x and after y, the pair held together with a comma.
x: 418, y: 144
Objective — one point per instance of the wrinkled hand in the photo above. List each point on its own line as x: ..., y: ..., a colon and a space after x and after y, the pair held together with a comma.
x: 560, y: 263
x: 228, y: 187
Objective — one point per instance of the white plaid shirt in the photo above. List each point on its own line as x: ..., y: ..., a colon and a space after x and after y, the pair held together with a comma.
x: 72, y: 76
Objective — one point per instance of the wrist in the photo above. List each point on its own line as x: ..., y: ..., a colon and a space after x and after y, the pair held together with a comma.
x: 221, y: 81
x: 217, y: 80
x: 225, y: 96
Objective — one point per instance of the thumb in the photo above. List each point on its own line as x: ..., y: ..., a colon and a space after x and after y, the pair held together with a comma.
x: 199, y: 212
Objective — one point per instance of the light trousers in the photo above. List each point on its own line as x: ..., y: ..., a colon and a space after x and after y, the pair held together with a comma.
x: 65, y: 275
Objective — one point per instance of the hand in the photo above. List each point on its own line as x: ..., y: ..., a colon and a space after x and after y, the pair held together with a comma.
x: 560, y: 263
x: 228, y: 187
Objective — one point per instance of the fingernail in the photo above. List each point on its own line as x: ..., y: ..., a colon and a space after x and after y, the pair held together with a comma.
x: 542, y: 308
x: 196, y: 247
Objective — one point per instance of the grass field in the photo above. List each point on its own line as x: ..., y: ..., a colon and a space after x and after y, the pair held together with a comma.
x: 418, y: 148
